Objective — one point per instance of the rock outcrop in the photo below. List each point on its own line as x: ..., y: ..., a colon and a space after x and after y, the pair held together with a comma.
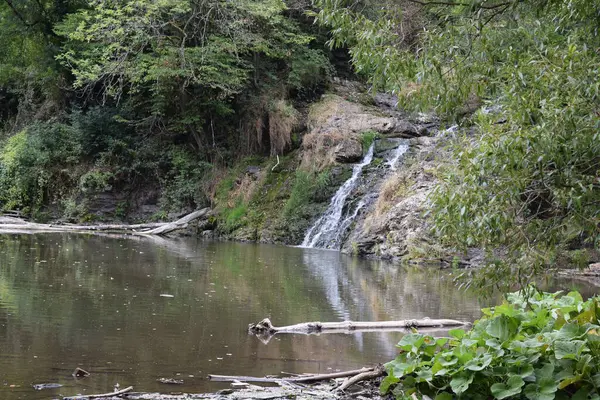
x: 395, y: 227
x: 335, y: 127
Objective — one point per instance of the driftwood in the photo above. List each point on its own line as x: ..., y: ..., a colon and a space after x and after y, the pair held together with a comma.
x: 352, y: 377
x: 80, y: 373
x: 179, y: 224
x: 363, y: 376
x: 18, y: 225
x: 265, y: 330
x: 101, y: 396
x: 294, y: 379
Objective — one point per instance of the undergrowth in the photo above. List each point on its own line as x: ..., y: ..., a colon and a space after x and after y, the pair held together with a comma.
x: 308, y: 187
x: 539, y: 347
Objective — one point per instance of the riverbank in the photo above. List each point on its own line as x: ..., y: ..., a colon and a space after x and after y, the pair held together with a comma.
x: 363, y: 390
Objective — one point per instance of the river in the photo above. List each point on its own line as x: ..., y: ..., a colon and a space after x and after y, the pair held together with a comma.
x: 133, y: 310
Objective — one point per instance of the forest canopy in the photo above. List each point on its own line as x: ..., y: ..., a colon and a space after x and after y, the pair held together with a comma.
x: 157, y: 90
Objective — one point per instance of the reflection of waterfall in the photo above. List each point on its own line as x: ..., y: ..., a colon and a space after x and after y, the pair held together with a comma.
x: 399, y: 152
x: 344, y: 292
x: 325, y: 233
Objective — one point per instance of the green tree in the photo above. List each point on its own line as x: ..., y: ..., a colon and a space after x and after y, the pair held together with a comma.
x: 525, y: 186
x: 190, y: 59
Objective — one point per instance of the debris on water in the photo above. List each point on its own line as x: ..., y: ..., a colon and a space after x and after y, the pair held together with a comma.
x: 42, y: 386
x: 170, y: 381
x: 80, y: 373
x: 166, y: 295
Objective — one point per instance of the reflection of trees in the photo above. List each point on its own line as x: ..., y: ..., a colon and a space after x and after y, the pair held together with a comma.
x: 89, y: 300
x: 379, y: 291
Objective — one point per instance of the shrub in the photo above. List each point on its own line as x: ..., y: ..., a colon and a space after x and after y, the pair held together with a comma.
x: 35, y: 166
x: 308, y: 186
x: 183, y: 183
x: 540, y: 347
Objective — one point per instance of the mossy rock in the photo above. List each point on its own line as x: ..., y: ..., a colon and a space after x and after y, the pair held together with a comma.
x: 385, y: 145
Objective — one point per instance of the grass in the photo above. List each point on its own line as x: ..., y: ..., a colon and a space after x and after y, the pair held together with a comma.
x: 367, y: 138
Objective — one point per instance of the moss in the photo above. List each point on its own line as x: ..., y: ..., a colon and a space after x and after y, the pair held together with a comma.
x: 367, y: 138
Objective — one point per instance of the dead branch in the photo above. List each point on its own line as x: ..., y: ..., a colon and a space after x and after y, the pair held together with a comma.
x: 100, y: 396
x: 374, y: 373
x: 179, y: 224
x: 295, y: 379
x: 16, y: 225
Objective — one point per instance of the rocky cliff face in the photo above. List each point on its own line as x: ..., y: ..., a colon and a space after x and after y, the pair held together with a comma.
x: 384, y: 212
x: 393, y: 193
x: 395, y: 227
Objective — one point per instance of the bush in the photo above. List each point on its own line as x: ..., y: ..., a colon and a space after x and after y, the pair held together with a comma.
x: 308, y: 186
x: 182, y: 185
x: 35, y: 166
x: 542, y: 347
x: 526, y: 182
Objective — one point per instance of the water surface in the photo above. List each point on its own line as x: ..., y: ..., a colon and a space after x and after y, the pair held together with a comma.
x: 104, y: 304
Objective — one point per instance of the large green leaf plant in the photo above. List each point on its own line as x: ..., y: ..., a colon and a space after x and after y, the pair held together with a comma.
x: 537, y: 346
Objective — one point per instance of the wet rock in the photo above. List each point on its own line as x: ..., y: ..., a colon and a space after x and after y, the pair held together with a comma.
x: 384, y: 145
x: 348, y: 151
x: 42, y: 386
x: 405, y: 129
x: 104, y: 204
x: 394, y: 226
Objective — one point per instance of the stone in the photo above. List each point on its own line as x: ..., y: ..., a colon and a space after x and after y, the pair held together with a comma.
x: 348, y: 151
x: 405, y: 129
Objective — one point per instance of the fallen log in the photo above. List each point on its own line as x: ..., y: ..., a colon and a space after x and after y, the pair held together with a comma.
x: 374, y: 373
x: 17, y: 225
x: 101, y: 396
x: 179, y: 224
x: 264, y: 330
x: 293, y: 379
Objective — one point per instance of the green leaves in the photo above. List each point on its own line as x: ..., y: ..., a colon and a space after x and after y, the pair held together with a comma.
x: 528, y: 184
x: 460, y: 383
x: 520, y: 349
x: 502, y: 328
x: 510, y: 388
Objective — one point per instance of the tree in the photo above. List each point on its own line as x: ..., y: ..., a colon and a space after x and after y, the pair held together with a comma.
x: 190, y: 59
x: 526, y: 184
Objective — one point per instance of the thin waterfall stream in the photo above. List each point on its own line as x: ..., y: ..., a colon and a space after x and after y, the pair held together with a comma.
x: 329, y: 230
x: 325, y: 232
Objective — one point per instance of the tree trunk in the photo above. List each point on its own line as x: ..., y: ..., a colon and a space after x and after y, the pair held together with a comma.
x: 17, y: 225
x: 264, y: 330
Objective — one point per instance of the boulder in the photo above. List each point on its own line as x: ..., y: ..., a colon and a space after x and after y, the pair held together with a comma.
x: 348, y: 151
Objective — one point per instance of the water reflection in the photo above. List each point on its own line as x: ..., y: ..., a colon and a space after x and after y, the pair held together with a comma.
x: 82, y: 300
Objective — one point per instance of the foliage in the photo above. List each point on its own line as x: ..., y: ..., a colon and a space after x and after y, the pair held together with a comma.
x: 307, y: 187
x: 367, y: 138
x: 34, y: 166
x: 537, y: 346
x: 156, y: 93
x: 525, y: 185
x: 182, y: 183
x: 184, y: 63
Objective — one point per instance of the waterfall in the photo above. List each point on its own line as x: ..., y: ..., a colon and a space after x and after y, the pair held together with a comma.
x: 400, y: 151
x: 326, y: 232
